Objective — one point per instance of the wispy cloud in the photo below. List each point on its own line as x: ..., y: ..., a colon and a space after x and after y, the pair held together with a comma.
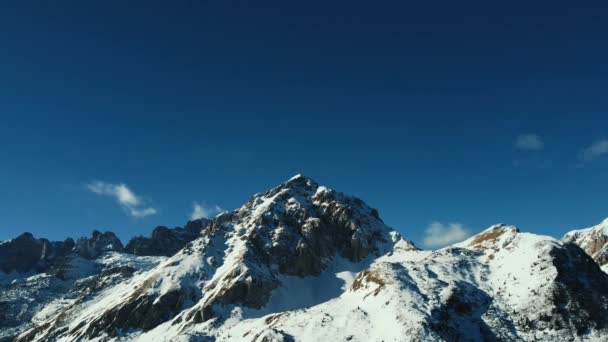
x: 139, y: 213
x: 127, y: 199
x: 203, y: 211
x: 595, y: 150
x: 438, y: 234
x: 529, y: 142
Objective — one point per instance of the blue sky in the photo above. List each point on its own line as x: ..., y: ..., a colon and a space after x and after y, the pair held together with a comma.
x: 463, y: 114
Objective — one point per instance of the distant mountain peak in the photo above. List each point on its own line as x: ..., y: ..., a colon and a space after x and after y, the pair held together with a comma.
x: 593, y: 240
x: 496, y: 236
x: 167, y: 241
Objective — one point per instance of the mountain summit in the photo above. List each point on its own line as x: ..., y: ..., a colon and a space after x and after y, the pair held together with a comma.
x: 278, y: 239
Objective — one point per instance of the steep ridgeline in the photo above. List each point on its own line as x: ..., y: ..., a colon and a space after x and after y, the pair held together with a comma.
x: 166, y: 241
x: 35, y: 272
x: 98, y: 244
x: 29, y: 254
x: 594, y: 241
x: 295, y: 246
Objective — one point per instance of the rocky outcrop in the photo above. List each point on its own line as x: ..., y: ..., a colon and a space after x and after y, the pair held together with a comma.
x: 27, y: 253
x: 306, y: 223
x: 593, y: 240
x: 165, y: 241
x: 144, y: 312
x: 99, y: 243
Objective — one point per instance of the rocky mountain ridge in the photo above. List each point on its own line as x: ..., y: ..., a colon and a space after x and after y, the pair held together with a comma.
x: 296, y: 230
x: 36, y: 272
x: 166, y: 241
x: 593, y: 240
x: 27, y: 253
x: 304, y: 262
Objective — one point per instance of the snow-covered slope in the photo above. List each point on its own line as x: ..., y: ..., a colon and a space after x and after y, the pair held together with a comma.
x: 593, y: 240
x: 39, y: 277
x: 501, y: 285
x: 303, y: 262
x: 29, y: 299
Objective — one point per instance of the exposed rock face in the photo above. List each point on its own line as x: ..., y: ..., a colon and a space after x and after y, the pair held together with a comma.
x: 97, y: 244
x: 293, y: 229
x: 27, y: 253
x: 580, y: 287
x: 304, y: 223
x: 593, y: 240
x: 166, y: 241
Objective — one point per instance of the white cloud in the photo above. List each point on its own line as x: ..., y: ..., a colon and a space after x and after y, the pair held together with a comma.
x: 596, y: 150
x: 203, y: 211
x: 438, y: 234
x: 139, y: 213
x: 529, y: 142
x: 125, y: 197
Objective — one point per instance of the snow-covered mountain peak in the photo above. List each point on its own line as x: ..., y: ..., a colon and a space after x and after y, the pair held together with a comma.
x: 281, y: 241
x: 298, y: 181
x: 593, y: 240
x: 496, y: 236
x: 599, y: 229
x: 300, y: 207
x: 298, y: 176
x: 307, y: 263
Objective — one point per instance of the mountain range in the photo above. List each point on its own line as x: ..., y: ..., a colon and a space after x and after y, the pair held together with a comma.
x: 302, y: 262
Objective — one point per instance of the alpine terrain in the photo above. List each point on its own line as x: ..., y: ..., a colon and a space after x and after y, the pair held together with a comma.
x: 302, y: 262
x: 594, y: 241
